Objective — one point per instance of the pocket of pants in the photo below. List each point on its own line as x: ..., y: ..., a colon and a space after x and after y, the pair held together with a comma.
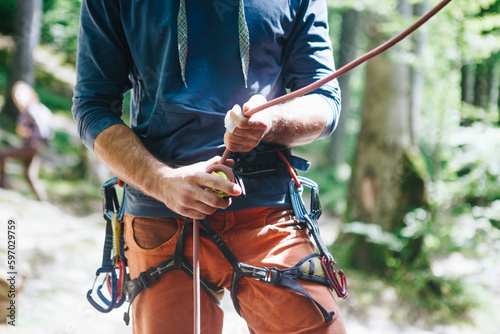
x: 153, y: 234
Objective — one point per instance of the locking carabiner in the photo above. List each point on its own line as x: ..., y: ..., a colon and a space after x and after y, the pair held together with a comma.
x: 336, y: 276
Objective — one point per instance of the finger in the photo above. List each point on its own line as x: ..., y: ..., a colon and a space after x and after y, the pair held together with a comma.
x: 255, y: 101
x: 194, y: 214
x: 229, y: 162
x: 238, y: 121
x: 216, y: 160
x: 201, y: 203
x: 202, y: 208
x: 229, y: 124
x: 236, y: 143
x: 236, y: 117
x: 218, y: 183
x: 211, y: 161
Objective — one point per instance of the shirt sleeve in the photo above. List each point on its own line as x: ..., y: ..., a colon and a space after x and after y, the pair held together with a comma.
x: 309, y: 57
x: 103, y: 66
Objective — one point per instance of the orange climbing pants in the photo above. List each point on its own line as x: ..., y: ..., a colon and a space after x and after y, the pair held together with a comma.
x: 267, y: 237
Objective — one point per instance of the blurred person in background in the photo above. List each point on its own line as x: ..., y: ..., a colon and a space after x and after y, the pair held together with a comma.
x: 33, y: 126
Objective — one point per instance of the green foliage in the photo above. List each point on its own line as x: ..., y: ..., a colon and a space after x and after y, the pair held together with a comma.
x: 8, y: 15
x: 332, y: 182
x: 53, y: 100
x: 464, y: 194
x: 470, y: 171
x: 56, y: 95
x: 438, y: 300
x: 464, y: 217
x: 60, y: 22
x: 64, y: 153
x: 479, y: 24
x: 4, y: 73
x: 420, y: 294
x: 373, y: 6
x: 66, y: 176
x: 60, y: 27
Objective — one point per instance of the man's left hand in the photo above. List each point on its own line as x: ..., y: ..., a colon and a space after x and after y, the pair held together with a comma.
x: 248, y: 132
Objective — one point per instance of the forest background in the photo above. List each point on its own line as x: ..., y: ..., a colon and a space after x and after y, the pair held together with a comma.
x: 410, y: 180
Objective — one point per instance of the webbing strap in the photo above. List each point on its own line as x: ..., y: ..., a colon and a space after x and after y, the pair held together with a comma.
x: 231, y: 258
x: 108, y: 247
x: 177, y: 262
x: 309, y: 268
x: 273, y: 276
x: 287, y: 278
x: 294, y: 285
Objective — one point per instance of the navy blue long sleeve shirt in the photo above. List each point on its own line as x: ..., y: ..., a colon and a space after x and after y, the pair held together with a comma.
x: 132, y: 45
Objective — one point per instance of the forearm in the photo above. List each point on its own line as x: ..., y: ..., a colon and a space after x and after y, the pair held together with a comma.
x: 181, y: 189
x: 121, y: 151
x: 300, y: 121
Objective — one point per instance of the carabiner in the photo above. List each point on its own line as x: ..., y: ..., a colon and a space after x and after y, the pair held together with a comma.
x: 335, y: 276
x: 119, y: 284
x: 109, y: 304
x: 298, y: 204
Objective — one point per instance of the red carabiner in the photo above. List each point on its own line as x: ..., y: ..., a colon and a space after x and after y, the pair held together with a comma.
x: 335, y: 277
x: 119, y: 284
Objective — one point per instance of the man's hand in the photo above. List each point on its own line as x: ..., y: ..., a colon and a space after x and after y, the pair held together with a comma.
x: 185, y: 190
x: 297, y: 122
x: 248, y: 131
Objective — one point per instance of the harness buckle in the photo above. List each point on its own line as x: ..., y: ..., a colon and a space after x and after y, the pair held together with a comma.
x: 147, y: 278
x: 272, y: 276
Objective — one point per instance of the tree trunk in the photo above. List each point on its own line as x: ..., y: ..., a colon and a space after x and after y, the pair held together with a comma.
x: 498, y: 105
x: 467, y: 83
x: 417, y: 73
x: 493, y: 82
x: 385, y: 181
x: 481, y: 85
x: 27, y: 37
x: 348, y: 46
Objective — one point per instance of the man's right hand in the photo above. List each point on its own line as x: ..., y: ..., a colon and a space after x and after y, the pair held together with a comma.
x: 185, y: 190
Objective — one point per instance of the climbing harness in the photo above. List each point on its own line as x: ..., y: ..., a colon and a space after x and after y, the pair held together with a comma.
x: 309, y: 268
x: 121, y: 288
x: 114, y: 263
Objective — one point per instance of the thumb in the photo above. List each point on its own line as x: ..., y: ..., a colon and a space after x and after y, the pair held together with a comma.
x: 213, y: 161
x: 255, y: 101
